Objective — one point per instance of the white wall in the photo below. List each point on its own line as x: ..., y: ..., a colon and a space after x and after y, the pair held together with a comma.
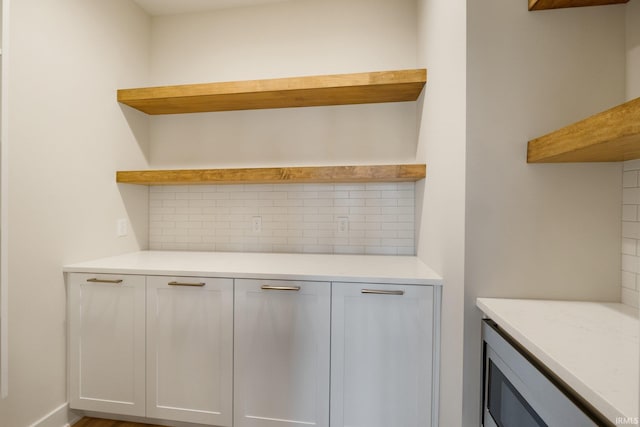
x: 67, y: 135
x: 632, y: 15
x: 537, y: 231
x: 280, y: 40
x: 441, y: 196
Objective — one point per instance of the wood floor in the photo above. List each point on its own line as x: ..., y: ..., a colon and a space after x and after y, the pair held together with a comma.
x: 98, y: 422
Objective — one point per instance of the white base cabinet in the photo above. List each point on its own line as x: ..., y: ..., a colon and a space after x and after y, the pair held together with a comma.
x: 382, y: 339
x: 282, y: 353
x: 190, y: 349
x: 107, y: 343
x: 253, y: 353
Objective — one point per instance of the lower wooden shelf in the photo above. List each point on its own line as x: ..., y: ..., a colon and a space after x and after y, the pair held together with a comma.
x: 610, y: 136
x: 282, y: 175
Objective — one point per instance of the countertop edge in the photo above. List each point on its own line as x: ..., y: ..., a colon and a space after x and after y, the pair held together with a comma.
x: 402, y: 270
x: 270, y: 276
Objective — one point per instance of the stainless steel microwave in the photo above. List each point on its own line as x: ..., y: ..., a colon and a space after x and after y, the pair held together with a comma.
x: 519, y: 391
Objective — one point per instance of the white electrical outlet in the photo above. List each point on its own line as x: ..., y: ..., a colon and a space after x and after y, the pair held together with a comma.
x: 256, y: 224
x: 343, y: 224
x: 122, y: 226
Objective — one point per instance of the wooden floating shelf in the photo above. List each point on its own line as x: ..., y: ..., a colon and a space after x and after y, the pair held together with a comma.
x: 559, y: 4
x: 612, y: 135
x: 285, y: 175
x: 337, y: 89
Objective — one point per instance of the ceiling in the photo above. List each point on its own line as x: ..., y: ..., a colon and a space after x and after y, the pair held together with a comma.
x: 171, y: 7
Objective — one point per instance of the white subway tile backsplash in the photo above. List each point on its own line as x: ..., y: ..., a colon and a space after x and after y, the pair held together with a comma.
x: 629, y: 246
x: 631, y: 165
x: 630, y: 230
x: 187, y: 196
x: 397, y: 226
x: 381, y: 250
x: 630, y: 251
x: 318, y: 202
x: 175, y: 203
x: 629, y: 280
x: 631, y: 196
x: 630, y: 179
x: 630, y: 263
x: 629, y: 212
x: 161, y: 196
x: 352, y: 187
x: 630, y: 297
x: 300, y: 218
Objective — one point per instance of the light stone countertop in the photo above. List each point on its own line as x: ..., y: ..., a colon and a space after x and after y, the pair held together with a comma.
x: 405, y: 270
x: 593, y: 347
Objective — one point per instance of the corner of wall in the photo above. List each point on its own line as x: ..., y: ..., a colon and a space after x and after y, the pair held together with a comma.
x: 61, y: 416
x: 632, y: 26
x: 441, y: 196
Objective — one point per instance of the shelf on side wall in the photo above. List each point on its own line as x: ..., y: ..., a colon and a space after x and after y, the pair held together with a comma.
x: 609, y: 136
x: 337, y: 89
x: 559, y: 4
x: 282, y: 175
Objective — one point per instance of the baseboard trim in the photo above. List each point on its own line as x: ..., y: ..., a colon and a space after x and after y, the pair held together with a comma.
x: 62, y: 416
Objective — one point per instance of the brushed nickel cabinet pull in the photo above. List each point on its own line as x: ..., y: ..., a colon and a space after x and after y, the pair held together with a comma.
x: 185, y: 284
x: 381, y: 292
x: 96, y: 280
x: 280, y: 288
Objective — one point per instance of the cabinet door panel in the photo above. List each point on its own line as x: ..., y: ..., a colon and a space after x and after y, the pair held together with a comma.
x: 282, y: 354
x: 190, y: 349
x: 382, y: 351
x: 107, y: 343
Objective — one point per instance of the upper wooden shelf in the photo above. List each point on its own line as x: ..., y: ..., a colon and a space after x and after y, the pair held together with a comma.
x: 612, y: 135
x: 559, y: 4
x: 309, y: 174
x: 337, y: 89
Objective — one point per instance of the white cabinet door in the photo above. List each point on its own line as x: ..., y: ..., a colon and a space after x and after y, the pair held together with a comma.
x: 282, y: 353
x: 381, y: 355
x: 106, y: 343
x: 190, y: 349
